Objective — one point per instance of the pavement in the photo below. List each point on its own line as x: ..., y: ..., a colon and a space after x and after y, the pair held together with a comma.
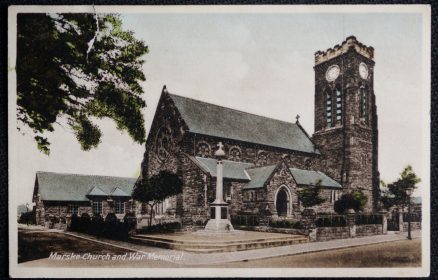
x: 194, y: 259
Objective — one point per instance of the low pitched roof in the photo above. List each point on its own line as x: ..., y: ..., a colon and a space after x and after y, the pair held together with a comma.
x: 231, y: 169
x: 259, y: 176
x: 310, y: 177
x: 213, y: 120
x: 74, y: 187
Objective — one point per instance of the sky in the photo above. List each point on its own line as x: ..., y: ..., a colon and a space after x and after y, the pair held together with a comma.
x: 259, y: 63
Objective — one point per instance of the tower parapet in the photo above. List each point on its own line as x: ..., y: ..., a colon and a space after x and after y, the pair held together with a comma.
x: 350, y: 43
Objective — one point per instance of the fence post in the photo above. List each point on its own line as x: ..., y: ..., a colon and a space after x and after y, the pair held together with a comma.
x: 400, y: 221
x: 384, y: 214
x: 309, y: 217
x: 351, y: 222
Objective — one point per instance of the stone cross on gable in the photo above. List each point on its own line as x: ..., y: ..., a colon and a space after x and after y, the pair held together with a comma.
x: 220, y: 152
x: 298, y: 118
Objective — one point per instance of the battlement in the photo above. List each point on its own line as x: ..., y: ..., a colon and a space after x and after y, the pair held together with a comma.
x: 350, y: 43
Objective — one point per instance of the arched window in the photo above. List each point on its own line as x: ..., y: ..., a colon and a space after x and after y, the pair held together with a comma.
x: 328, y: 111
x: 262, y: 158
x: 338, y: 106
x: 363, y: 104
x: 235, y: 154
x: 203, y: 149
x: 308, y: 164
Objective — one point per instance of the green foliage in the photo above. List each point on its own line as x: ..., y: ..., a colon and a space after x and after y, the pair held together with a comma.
x: 310, y: 196
x: 61, y: 74
x: 157, y: 188
x: 395, y: 193
x: 286, y: 224
x: 355, y: 200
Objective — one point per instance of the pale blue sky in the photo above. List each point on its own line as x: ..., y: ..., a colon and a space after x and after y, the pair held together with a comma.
x: 259, y: 63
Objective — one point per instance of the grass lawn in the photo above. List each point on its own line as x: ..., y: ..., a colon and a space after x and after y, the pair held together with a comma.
x: 37, y: 245
x: 405, y: 253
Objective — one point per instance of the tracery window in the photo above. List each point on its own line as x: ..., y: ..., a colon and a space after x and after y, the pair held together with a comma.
x: 262, y: 158
x: 203, y: 149
x: 235, y: 154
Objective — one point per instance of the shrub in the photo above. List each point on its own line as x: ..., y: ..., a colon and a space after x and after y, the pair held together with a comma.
x: 130, y: 220
x: 111, y: 218
x: 27, y: 218
x: 285, y: 224
x: 355, y: 200
x: 162, y: 228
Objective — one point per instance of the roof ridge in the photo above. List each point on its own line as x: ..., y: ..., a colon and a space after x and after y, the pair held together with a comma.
x: 257, y: 167
x: 228, y: 108
x: 84, y: 175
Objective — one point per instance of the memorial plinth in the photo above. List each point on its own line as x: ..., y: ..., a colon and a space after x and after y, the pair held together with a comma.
x: 219, y: 208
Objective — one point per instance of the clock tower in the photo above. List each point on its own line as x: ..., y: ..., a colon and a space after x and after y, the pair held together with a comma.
x: 346, y: 119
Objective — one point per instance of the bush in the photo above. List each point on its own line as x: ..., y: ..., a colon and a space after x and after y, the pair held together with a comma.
x: 130, y: 220
x: 286, y: 224
x: 111, y: 218
x: 355, y: 200
x: 26, y: 218
x: 162, y: 228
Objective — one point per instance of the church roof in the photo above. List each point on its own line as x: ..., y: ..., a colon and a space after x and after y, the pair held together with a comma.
x: 231, y: 169
x: 310, y: 177
x: 213, y: 120
x: 259, y: 176
x: 73, y: 187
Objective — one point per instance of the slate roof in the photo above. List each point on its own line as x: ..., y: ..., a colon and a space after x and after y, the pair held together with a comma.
x: 213, y: 120
x: 258, y: 176
x: 73, y: 187
x: 231, y: 169
x: 310, y: 177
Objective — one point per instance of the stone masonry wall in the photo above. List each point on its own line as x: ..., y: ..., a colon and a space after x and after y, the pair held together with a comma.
x: 368, y: 230
x: 329, y: 233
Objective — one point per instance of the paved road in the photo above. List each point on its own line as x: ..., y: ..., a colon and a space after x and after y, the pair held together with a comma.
x: 157, y: 257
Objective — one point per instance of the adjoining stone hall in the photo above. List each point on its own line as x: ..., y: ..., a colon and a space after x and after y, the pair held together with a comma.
x: 266, y: 161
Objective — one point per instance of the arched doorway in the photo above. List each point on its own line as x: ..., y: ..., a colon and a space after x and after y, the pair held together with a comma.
x: 282, y: 201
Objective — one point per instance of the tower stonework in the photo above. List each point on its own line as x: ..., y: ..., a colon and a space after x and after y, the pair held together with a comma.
x: 346, y: 119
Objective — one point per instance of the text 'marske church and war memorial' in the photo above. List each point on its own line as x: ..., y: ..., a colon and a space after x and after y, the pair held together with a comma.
x: 266, y: 161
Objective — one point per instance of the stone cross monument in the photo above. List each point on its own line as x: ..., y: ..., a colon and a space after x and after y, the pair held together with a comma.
x: 219, y: 208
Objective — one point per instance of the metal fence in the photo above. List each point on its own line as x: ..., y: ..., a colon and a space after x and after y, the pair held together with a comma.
x: 331, y: 221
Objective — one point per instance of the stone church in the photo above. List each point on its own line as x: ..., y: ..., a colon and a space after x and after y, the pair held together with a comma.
x: 267, y: 160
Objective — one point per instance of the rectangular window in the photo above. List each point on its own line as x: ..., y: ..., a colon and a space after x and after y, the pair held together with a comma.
x: 120, y: 207
x: 73, y: 209
x: 97, y: 207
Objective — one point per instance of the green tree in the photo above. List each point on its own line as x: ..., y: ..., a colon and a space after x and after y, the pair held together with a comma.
x: 77, y: 67
x: 311, y: 196
x: 355, y: 200
x: 395, y: 192
x: 157, y: 188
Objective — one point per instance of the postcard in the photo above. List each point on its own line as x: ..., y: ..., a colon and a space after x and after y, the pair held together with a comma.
x: 219, y: 141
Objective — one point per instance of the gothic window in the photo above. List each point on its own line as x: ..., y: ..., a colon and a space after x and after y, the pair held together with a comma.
x: 262, y: 158
x: 203, y: 149
x: 363, y: 104
x: 338, y: 106
x: 364, y: 159
x: 308, y: 164
x: 163, y: 142
x: 235, y: 154
x: 328, y: 108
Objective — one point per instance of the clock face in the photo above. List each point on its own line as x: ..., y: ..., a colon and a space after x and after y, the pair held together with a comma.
x: 163, y: 143
x: 363, y: 71
x: 332, y: 73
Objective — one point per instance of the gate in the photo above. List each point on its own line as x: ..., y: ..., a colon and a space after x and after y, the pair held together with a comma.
x: 393, y: 222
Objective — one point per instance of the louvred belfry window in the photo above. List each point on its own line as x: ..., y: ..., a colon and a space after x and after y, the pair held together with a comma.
x: 328, y: 108
x: 338, y: 106
x: 363, y: 104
